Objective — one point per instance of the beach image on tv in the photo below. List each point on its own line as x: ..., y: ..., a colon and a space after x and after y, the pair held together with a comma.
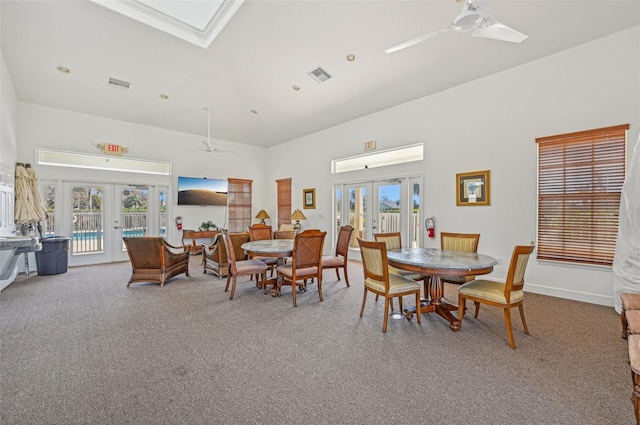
x: 202, y: 191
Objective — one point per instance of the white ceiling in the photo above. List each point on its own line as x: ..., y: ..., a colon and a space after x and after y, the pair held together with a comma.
x: 269, y: 46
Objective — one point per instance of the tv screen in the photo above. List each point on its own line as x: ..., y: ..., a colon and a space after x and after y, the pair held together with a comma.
x: 202, y: 191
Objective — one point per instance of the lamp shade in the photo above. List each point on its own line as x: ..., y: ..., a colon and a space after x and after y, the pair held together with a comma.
x: 262, y: 214
x: 297, y: 215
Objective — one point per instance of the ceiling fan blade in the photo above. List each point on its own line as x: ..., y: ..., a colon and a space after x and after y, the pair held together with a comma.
x: 222, y: 151
x: 415, y: 41
x: 207, y: 146
x: 495, y: 30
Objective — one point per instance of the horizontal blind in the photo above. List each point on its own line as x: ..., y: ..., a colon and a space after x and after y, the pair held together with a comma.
x: 239, y: 205
x: 284, y: 201
x: 580, y: 178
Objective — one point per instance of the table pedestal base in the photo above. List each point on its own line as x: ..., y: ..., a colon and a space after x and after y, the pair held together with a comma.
x: 437, y: 305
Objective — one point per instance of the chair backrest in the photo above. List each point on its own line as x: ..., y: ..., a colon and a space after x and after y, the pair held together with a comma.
x: 145, y: 252
x: 517, y: 267
x: 344, y: 237
x: 307, y: 249
x: 259, y: 232
x: 374, y: 263
x: 392, y: 240
x: 465, y: 242
x: 231, y: 254
x: 237, y: 239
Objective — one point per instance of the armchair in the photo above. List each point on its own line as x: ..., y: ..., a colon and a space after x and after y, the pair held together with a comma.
x: 152, y: 259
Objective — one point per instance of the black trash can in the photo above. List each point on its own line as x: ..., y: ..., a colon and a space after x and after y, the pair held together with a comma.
x: 54, y: 256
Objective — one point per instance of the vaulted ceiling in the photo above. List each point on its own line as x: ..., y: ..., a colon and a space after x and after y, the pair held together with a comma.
x: 249, y: 73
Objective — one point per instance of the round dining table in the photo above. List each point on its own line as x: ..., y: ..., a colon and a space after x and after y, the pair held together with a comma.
x: 436, y: 263
x: 280, y: 248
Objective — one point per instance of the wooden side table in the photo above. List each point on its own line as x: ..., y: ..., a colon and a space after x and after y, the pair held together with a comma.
x: 190, y: 237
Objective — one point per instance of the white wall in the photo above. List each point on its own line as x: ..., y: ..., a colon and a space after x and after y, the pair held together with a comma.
x: 8, y: 142
x: 490, y: 123
x: 45, y: 127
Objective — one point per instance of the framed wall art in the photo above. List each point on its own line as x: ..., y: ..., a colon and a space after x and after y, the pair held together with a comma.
x: 472, y: 188
x: 309, y: 198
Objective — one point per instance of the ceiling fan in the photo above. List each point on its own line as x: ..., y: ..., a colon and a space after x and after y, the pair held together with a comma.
x: 207, y: 143
x: 473, y: 18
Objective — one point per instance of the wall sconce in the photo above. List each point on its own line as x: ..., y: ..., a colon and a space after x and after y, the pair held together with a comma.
x: 262, y: 215
x: 297, y: 216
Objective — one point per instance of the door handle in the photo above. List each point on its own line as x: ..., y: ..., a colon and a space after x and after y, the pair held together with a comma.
x: 117, y: 227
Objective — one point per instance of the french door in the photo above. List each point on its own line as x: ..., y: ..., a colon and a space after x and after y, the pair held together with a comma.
x: 98, y: 215
x: 384, y: 206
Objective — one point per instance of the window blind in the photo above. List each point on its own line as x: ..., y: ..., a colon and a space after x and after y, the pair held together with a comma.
x: 580, y: 178
x: 284, y: 201
x: 239, y: 205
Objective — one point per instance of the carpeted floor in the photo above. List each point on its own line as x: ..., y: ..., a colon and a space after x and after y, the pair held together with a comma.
x: 81, y: 348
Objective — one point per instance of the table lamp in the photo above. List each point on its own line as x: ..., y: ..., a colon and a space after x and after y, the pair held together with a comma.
x: 297, y: 216
x: 262, y: 215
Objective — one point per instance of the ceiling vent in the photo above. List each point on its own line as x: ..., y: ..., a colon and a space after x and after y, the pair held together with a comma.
x: 118, y: 84
x: 319, y: 74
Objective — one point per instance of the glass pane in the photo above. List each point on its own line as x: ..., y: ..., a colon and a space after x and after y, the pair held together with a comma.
x: 414, y: 228
x: 49, y: 202
x: 389, y: 208
x: 357, y: 211
x: 337, y: 199
x: 134, y: 203
x: 88, y: 219
x: 163, y: 211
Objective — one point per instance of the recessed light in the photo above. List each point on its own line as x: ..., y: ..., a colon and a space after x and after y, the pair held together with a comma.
x: 164, y: 97
x: 296, y: 88
x: 63, y: 70
x: 351, y: 57
x: 253, y: 111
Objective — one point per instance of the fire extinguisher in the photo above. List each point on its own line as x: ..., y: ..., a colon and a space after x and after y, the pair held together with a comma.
x: 179, y: 222
x: 431, y: 228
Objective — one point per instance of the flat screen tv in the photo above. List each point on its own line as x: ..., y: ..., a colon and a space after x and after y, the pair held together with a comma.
x: 202, y: 191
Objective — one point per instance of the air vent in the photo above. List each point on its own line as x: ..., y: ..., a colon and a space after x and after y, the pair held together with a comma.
x: 319, y: 74
x: 118, y: 84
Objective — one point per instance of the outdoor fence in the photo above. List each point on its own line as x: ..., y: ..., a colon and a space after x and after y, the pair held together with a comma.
x: 88, y: 229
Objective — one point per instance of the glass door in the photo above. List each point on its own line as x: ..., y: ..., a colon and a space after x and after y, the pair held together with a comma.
x: 385, y: 206
x: 97, y: 215
x: 85, y: 215
x: 132, y: 217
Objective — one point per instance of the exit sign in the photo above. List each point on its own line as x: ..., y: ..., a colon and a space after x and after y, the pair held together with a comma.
x: 111, y: 149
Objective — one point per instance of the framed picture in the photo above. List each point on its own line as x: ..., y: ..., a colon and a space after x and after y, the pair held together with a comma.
x: 309, y: 198
x: 472, y: 188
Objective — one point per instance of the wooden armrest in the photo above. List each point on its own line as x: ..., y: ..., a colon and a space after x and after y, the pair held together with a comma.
x: 184, y: 248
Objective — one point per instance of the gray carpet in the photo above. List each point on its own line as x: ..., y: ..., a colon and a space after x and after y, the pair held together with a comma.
x: 81, y: 348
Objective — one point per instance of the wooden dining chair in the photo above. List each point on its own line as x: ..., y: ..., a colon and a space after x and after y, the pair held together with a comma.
x: 394, y: 241
x: 259, y: 232
x: 306, y: 263
x: 339, y: 259
x: 214, y: 256
x: 505, y: 295
x: 379, y: 280
x: 461, y: 242
x: 238, y: 268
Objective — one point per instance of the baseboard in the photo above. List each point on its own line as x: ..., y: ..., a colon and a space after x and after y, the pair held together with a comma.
x: 566, y: 294
x: 570, y: 295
